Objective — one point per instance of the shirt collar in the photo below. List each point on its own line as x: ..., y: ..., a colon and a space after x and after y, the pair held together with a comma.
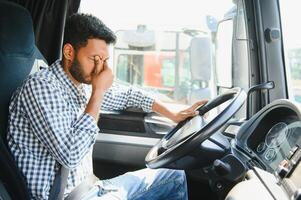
x: 77, y: 91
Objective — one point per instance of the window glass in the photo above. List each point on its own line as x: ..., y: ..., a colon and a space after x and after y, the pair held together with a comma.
x: 168, y: 68
x: 171, y: 54
x: 290, y: 17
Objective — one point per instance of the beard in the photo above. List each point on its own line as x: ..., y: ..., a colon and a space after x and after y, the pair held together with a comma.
x: 76, y: 70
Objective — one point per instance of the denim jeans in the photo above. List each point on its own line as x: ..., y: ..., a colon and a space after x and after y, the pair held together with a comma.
x: 145, y: 184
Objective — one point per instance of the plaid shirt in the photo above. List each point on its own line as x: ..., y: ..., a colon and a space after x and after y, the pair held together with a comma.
x: 48, y: 127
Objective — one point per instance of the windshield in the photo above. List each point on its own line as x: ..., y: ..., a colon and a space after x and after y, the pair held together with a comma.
x: 161, y: 49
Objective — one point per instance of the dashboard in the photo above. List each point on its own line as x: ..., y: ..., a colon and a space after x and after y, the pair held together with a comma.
x: 272, y: 135
x: 278, y: 142
x: 269, y: 144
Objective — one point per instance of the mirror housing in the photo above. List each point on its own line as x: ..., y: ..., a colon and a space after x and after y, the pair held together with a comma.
x: 211, y: 23
x: 139, y: 38
x: 223, y: 53
x: 200, y: 63
x: 201, y: 58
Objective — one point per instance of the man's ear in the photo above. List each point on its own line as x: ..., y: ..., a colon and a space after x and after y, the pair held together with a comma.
x: 68, y: 52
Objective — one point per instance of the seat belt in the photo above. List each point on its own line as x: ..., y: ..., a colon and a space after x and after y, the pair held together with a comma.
x: 59, y: 184
x: 3, y: 192
x: 83, y: 188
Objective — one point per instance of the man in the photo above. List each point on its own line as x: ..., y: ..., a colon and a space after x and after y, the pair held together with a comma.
x: 52, y: 123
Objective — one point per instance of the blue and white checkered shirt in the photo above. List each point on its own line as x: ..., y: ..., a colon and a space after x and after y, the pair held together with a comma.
x: 48, y: 127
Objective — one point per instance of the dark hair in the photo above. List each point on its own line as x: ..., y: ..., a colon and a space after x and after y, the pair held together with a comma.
x: 81, y: 27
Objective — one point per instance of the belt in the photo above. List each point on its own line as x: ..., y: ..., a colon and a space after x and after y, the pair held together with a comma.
x: 83, y: 188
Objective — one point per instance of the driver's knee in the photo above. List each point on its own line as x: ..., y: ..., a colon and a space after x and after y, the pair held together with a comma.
x: 173, y: 175
x: 170, y: 175
x: 176, y: 179
x: 157, y: 177
x: 164, y: 184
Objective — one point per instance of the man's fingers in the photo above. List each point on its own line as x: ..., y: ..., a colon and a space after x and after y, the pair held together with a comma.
x: 198, y: 104
x: 190, y: 113
x: 95, y: 71
x: 105, y: 65
x: 195, y: 106
x: 98, y: 64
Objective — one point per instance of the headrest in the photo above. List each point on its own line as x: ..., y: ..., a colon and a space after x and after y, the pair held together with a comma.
x: 16, y: 30
x: 18, y: 53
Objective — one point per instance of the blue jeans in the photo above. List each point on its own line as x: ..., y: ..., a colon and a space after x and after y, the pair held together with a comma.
x: 145, y: 184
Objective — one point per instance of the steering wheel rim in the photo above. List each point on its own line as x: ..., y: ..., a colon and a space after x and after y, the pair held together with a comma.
x: 159, y: 156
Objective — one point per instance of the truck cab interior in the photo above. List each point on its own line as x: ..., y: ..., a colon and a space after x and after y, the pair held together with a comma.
x: 248, y: 63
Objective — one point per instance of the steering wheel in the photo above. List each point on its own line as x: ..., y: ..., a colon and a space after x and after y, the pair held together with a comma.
x: 190, y: 133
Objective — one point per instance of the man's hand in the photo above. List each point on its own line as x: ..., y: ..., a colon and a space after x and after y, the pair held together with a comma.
x: 102, y: 77
x: 189, y: 112
x: 160, y: 108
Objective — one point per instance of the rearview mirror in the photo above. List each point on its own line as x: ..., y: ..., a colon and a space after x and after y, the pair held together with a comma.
x: 200, y: 63
x: 200, y: 58
x: 211, y: 23
x: 141, y: 38
x: 223, y: 52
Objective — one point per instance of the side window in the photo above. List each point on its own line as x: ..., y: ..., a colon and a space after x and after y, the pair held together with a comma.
x: 129, y: 68
x: 168, y: 75
x: 231, y: 53
x: 240, y: 49
x: 185, y: 74
x: 290, y: 20
x: 122, y: 72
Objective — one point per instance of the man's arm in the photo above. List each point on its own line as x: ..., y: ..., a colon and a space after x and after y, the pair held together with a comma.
x: 67, y: 137
x: 120, y: 98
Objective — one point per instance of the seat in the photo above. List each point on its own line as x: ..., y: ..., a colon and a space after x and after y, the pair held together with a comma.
x: 18, y: 58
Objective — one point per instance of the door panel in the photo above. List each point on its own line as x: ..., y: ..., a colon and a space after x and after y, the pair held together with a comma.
x: 124, y: 140
x: 134, y: 123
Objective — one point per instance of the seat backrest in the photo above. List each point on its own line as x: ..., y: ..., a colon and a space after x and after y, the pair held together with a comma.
x: 18, y: 55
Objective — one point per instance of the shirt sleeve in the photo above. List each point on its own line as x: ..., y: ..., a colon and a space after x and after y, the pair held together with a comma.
x: 120, y: 97
x: 67, y: 137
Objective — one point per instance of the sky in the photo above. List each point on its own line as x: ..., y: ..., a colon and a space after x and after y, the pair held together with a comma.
x: 157, y: 14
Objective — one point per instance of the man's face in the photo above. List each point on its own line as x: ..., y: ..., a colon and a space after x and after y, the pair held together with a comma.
x: 83, y: 64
